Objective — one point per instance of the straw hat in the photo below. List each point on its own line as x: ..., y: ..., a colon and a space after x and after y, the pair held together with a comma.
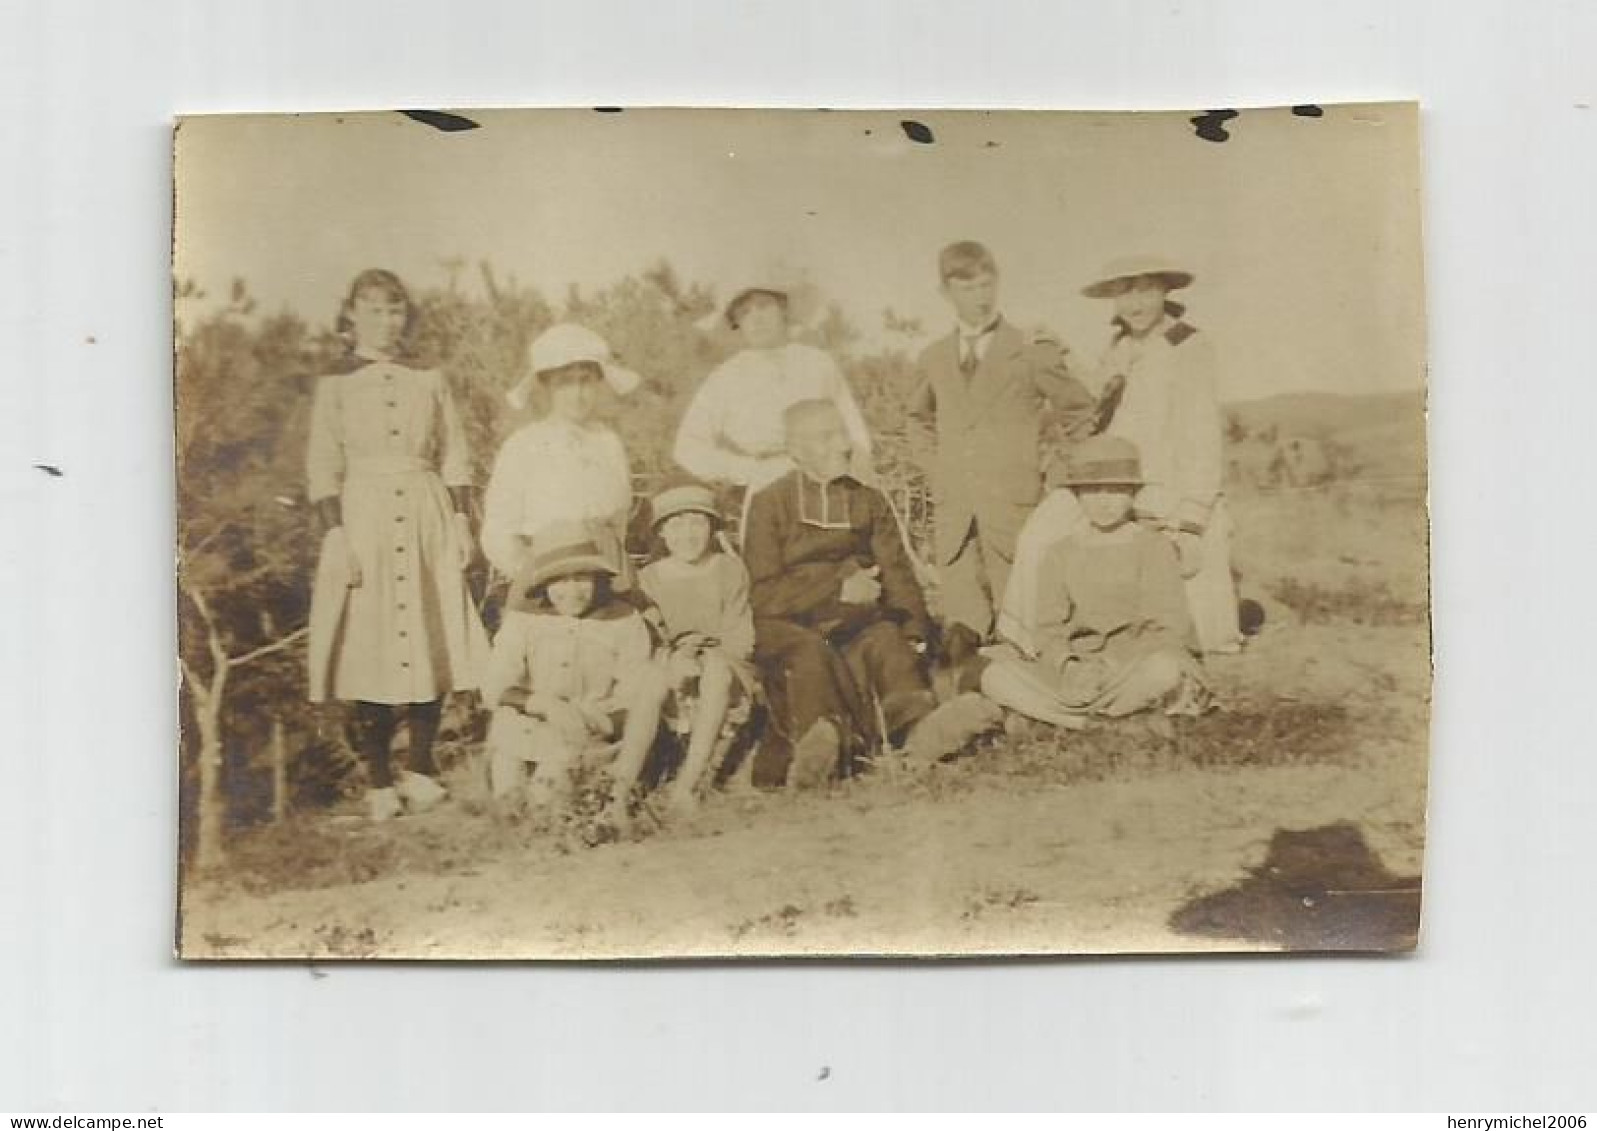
x: 684, y: 498
x: 1118, y: 271
x: 1103, y: 461
x: 566, y: 343
x: 562, y: 551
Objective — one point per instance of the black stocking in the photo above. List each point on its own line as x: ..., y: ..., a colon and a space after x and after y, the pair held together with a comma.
x: 374, y: 734
x: 423, y: 730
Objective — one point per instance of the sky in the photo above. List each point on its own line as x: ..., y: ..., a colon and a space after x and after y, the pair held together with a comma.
x: 1303, y: 232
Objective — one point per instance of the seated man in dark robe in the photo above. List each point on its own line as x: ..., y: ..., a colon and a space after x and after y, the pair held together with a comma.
x: 840, y: 621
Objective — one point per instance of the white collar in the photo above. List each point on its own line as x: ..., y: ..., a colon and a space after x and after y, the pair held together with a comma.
x: 1157, y: 330
x: 967, y: 333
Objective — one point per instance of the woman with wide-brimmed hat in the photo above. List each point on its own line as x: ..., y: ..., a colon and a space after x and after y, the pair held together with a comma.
x: 567, y: 466
x: 1113, y: 634
x: 731, y: 434
x: 1170, y: 408
x: 1158, y: 390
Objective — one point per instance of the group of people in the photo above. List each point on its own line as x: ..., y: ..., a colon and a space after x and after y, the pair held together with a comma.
x: 1081, y: 560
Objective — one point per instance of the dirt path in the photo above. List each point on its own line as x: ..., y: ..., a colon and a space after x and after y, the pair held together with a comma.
x: 1012, y: 851
x: 1088, y: 868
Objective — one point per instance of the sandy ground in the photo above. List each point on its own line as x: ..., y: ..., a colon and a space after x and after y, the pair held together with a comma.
x: 1027, y: 846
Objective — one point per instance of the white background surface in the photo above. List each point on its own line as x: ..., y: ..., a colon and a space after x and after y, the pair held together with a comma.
x: 1495, y: 1012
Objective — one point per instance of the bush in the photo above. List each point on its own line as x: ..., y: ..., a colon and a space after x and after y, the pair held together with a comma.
x: 247, y: 538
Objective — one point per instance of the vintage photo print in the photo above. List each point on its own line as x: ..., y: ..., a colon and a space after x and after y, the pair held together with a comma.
x: 678, y: 533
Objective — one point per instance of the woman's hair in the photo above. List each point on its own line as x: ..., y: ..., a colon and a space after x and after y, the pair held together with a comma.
x: 734, y: 313
x: 388, y: 284
x: 1173, y: 309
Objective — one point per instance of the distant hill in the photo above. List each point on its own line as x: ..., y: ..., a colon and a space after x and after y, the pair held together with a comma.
x: 1326, y: 415
x: 1367, y: 436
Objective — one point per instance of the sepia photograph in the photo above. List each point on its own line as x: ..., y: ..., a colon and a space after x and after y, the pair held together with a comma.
x: 648, y: 534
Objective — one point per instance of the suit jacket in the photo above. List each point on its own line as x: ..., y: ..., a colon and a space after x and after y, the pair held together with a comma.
x: 803, y: 540
x: 987, y: 465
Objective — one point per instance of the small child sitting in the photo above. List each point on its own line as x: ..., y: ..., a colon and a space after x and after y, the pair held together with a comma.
x: 700, y: 596
x: 569, y: 680
x: 1114, y: 635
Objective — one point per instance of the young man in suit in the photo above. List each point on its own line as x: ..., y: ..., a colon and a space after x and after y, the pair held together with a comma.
x: 983, y: 391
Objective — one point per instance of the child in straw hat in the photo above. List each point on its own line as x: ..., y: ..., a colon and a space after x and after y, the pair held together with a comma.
x: 700, y: 605
x: 1113, y: 632
x: 570, y: 679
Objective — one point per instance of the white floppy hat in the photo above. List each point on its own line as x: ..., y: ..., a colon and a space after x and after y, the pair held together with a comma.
x: 566, y: 343
x: 1118, y: 271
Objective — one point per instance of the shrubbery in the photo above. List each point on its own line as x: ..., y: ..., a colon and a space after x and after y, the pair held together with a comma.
x: 247, y: 540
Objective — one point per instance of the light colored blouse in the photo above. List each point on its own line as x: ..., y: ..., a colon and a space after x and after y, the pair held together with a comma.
x: 548, y: 472
x: 733, y: 431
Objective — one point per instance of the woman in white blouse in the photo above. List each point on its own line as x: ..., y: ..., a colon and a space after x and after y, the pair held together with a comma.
x: 731, y: 434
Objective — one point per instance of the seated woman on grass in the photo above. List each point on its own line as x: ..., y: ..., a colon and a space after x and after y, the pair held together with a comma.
x: 1114, y: 636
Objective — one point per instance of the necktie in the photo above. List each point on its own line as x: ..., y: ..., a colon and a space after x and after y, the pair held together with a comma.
x: 968, y: 360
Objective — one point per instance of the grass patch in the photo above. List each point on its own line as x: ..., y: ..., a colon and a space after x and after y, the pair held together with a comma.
x: 1355, y: 601
x: 316, y: 851
x: 1251, y: 735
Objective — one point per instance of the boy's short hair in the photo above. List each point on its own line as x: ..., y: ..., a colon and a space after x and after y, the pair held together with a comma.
x: 965, y: 259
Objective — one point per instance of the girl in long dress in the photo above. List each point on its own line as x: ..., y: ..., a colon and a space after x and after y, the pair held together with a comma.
x: 393, y: 626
